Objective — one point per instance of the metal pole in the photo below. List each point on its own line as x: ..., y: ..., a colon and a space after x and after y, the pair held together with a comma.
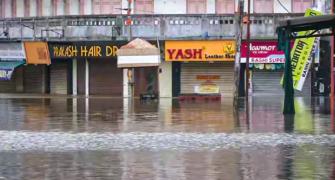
x: 248, y: 54
x: 130, y: 70
x: 332, y: 60
x: 288, y: 81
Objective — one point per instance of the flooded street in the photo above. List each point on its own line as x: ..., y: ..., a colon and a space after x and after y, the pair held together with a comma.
x: 113, y: 138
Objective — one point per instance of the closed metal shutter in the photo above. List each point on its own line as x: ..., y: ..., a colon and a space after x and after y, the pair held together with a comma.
x: 105, y: 77
x: 190, y: 71
x: 9, y: 86
x: 59, y: 77
x: 268, y: 83
x: 34, y: 78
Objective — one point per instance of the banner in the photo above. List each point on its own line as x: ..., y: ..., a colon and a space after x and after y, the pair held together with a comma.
x: 262, y: 52
x: 37, y: 53
x: 7, y: 68
x: 200, y: 50
x: 302, y: 55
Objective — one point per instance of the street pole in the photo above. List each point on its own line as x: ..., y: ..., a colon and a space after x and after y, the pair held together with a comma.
x: 332, y: 58
x: 288, y: 80
x: 130, y: 70
x: 248, y: 54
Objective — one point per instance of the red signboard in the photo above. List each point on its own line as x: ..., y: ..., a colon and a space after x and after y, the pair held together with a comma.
x: 262, y: 52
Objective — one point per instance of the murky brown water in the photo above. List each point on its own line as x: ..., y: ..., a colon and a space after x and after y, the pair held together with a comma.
x: 166, y: 129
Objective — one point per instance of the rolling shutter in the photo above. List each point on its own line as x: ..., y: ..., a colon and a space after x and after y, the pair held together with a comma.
x: 105, y: 77
x: 268, y: 83
x: 59, y: 77
x: 34, y: 79
x: 190, y: 71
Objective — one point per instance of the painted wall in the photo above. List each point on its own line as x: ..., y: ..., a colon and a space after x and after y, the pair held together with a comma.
x: 210, y: 6
x: 19, y: 8
x: 170, y: 6
x: 165, y: 79
x: 33, y: 8
x: 74, y: 10
x: 8, y: 8
x: 88, y: 7
x: 279, y: 9
x: 47, y: 8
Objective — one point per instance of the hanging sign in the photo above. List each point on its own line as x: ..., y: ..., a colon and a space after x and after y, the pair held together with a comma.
x: 215, y: 50
x: 302, y: 54
x: 37, y: 53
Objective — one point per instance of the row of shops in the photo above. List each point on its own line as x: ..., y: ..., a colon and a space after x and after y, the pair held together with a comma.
x: 168, y: 68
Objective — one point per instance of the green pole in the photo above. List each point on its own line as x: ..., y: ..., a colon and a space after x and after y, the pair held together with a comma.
x: 288, y: 81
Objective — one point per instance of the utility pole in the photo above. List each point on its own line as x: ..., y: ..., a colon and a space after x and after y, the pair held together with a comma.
x: 130, y: 71
x: 248, y: 54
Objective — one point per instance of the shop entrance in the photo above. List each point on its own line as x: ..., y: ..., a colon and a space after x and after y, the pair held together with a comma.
x: 146, y: 81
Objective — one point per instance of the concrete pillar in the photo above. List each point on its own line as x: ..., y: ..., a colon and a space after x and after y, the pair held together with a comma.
x: 19, y: 8
x: 33, y: 8
x: 210, y: 6
x: 87, y: 78
x: 19, y: 79
x: 165, y: 79
x: 125, y: 83
x: 46, y: 8
x: 74, y: 77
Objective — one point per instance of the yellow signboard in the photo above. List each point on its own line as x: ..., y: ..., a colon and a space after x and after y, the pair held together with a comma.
x: 216, y: 50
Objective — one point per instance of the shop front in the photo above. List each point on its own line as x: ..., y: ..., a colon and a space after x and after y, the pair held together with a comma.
x: 141, y: 60
x: 267, y: 67
x: 85, y: 68
x: 202, y: 68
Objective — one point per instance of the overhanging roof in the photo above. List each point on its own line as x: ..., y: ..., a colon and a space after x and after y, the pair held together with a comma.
x: 308, y: 23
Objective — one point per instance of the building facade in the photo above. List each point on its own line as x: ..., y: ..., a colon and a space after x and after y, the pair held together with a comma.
x: 103, y: 23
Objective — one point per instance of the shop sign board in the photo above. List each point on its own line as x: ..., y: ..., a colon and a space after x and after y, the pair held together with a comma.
x: 37, y: 53
x: 262, y: 52
x: 84, y: 49
x: 7, y: 69
x: 12, y: 51
x: 200, y: 50
x: 302, y: 55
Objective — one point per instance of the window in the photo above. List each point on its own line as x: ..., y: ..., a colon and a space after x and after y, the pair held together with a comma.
x: 300, y: 6
x: 106, y: 6
x: 144, y: 7
x: 26, y: 8
x: 196, y: 6
x: 225, y: 6
x: 263, y: 6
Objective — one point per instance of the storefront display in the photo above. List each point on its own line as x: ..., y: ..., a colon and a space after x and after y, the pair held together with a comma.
x: 206, y: 67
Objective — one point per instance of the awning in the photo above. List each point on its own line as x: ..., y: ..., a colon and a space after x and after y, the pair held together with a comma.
x: 7, y: 68
x: 138, y: 53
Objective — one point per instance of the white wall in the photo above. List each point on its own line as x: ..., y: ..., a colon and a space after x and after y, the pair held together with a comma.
x: 74, y: 4
x: 61, y: 8
x: 170, y: 6
x: 210, y: 6
x: 8, y: 6
x: 19, y: 8
x: 33, y: 8
x: 279, y: 9
x: 165, y: 79
x: 47, y: 8
x: 88, y: 7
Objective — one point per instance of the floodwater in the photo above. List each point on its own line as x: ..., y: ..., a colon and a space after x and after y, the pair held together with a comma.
x: 114, y: 138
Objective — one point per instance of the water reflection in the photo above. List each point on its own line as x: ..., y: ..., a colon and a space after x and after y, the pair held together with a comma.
x: 116, y: 115
x: 166, y: 115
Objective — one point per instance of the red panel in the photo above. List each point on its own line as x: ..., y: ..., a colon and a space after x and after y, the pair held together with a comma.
x: 196, y: 6
x: 225, y: 6
x: 263, y: 6
x: 82, y: 7
x: 14, y: 8
x: 144, y: 7
x: 106, y: 6
x: 39, y: 7
x: 300, y: 6
x: 2, y: 8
